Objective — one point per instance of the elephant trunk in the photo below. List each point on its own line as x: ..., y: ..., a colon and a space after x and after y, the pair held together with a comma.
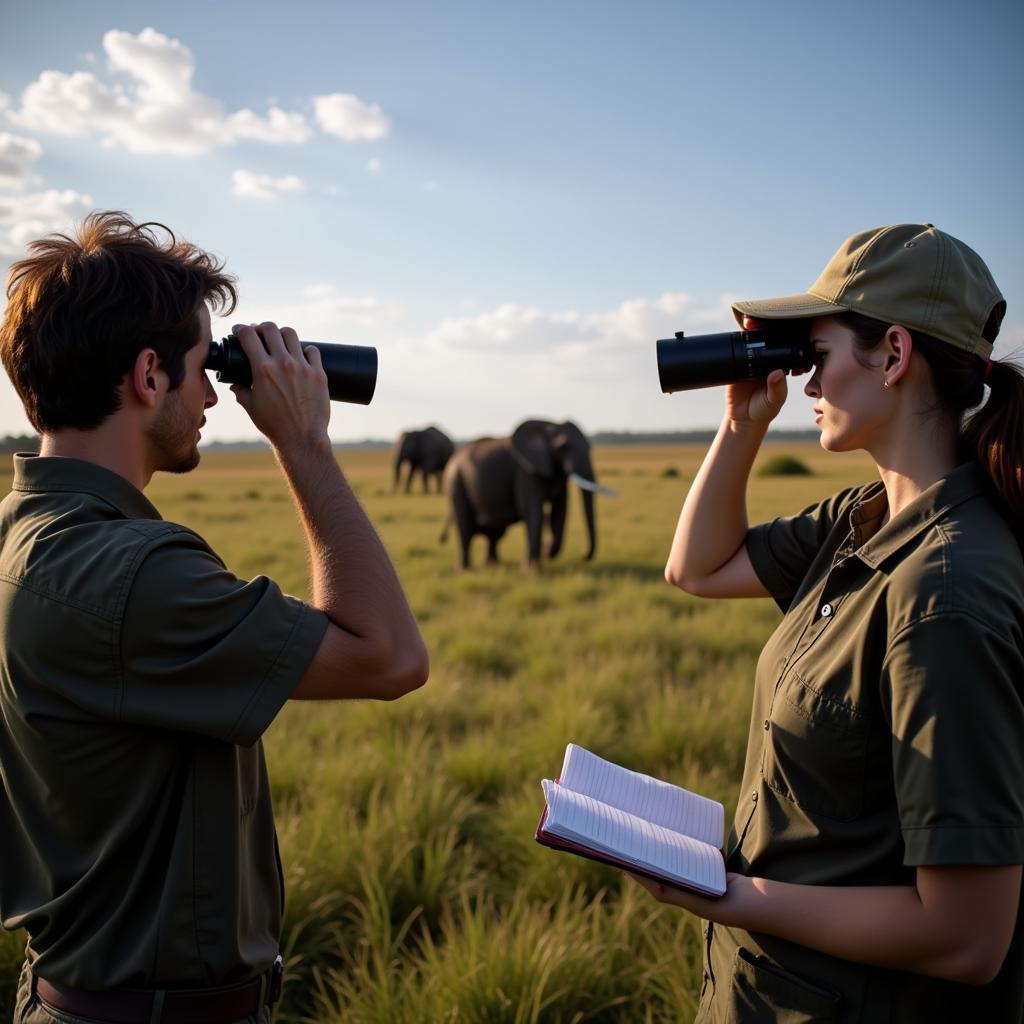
x: 588, y: 511
x: 584, y: 468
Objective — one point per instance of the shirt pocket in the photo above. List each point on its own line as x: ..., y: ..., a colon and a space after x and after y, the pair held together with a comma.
x: 762, y: 991
x: 817, y: 751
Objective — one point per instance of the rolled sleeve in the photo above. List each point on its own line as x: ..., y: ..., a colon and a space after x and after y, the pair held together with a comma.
x: 205, y: 652
x: 952, y: 687
x: 783, y: 550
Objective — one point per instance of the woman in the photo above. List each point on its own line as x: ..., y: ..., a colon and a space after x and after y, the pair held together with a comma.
x: 875, y: 859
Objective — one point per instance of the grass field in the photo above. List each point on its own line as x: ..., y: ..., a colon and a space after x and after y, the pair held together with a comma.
x: 416, y: 892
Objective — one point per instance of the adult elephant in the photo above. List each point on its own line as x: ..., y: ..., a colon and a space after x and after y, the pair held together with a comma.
x: 495, y: 482
x: 426, y: 451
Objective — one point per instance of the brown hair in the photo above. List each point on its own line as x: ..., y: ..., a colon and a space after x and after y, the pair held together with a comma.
x: 82, y: 307
x: 993, y: 432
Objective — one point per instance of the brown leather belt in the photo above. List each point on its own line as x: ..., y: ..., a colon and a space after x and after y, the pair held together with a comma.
x: 196, y: 1006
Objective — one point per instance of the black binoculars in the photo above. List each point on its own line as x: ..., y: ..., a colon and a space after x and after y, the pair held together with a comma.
x: 351, y: 369
x: 709, y: 360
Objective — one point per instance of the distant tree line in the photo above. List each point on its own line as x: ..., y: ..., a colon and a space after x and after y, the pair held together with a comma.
x: 690, y: 436
x: 11, y: 443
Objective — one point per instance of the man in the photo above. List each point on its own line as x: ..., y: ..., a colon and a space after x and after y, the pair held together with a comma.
x: 136, y: 673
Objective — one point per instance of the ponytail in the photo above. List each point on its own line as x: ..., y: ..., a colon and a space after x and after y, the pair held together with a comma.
x: 994, y: 435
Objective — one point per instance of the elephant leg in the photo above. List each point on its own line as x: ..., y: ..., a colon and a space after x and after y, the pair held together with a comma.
x: 462, y: 513
x: 534, y: 520
x: 557, y: 520
x: 492, y: 547
x: 408, y: 479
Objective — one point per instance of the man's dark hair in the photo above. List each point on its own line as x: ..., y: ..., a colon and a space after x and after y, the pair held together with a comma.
x: 82, y: 307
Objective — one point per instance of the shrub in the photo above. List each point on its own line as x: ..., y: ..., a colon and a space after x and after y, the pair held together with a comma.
x: 784, y: 465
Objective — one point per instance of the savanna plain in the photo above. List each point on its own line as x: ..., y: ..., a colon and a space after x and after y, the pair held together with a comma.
x: 415, y: 889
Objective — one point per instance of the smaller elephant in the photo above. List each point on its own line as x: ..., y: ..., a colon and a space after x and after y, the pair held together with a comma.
x: 495, y: 482
x: 426, y: 451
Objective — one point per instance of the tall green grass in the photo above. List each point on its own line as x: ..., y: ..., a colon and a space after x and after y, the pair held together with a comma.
x: 416, y: 891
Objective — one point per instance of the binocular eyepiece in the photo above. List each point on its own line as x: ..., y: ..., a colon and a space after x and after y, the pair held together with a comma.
x: 351, y: 369
x: 709, y: 360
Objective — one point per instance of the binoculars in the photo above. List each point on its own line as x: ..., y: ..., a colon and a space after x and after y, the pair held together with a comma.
x: 351, y: 369
x: 709, y: 360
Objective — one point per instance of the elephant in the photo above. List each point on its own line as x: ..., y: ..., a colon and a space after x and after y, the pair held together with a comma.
x: 494, y: 482
x: 427, y: 451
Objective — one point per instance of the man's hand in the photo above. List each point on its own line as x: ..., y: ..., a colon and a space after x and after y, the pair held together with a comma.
x: 288, y: 400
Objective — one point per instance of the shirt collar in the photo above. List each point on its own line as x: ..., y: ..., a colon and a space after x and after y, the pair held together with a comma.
x: 963, y: 483
x: 47, y: 474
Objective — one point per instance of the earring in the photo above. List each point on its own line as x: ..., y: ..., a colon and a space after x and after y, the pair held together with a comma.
x: 885, y: 385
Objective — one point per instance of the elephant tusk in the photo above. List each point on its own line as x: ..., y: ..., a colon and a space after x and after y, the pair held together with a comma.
x: 591, y: 485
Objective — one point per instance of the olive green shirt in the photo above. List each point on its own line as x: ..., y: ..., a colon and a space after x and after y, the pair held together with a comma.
x: 136, y: 677
x: 887, y: 732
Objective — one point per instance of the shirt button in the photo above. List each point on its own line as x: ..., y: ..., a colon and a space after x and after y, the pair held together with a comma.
x: 766, y: 725
x: 753, y: 796
x: 826, y: 610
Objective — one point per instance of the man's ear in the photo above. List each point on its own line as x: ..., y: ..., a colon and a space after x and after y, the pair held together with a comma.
x: 896, y: 349
x: 144, y: 380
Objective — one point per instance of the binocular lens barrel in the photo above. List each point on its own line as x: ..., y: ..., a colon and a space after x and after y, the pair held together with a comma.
x: 351, y: 369
x: 709, y: 360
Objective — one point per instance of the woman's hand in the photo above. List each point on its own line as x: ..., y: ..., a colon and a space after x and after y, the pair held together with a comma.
x: 755, y: 403
x: 955, y: 923
x: 725, y: 909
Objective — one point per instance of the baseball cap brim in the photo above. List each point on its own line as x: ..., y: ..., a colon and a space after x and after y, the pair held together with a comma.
x: 786, y: 307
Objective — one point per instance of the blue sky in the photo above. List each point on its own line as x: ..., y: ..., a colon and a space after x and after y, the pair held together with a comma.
x: 512, y: 202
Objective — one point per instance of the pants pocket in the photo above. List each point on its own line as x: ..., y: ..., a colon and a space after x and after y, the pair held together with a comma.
x: 762, y: 991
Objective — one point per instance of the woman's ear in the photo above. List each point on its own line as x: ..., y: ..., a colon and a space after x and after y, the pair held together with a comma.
x: 897, y: 347
x: 144, y: 382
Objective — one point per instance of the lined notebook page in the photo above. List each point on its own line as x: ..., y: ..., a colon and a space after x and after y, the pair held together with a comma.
x: 661, y: 802
x: 587, y: 822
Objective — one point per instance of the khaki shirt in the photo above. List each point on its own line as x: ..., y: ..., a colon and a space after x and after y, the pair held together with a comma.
x: 887, y: 732
x: 136, y: 677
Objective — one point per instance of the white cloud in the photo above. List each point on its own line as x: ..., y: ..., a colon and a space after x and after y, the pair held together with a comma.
x: 162, y: 66
x: 349, y: 118
x: 27, y: 217
x: 76, y: 104
x: 514, y: 362
x: 324, y: 304
x: 16, y: 155
x: 518, y: 329
x: 373, y: 165
x: 278, y: 126
x: 155, y: 111
x: 263, y: 186
x: 323, y: 312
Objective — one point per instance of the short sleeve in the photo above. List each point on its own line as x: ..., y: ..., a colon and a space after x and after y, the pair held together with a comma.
x: 783, y: 550
x: 952, y: 686
x: 205, y: 652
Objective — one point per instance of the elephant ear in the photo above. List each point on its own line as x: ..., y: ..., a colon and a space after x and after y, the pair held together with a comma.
x: 531, y: 445
x: 569, y: 434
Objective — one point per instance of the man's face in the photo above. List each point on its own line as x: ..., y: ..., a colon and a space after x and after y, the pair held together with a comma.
x: 174, y: 434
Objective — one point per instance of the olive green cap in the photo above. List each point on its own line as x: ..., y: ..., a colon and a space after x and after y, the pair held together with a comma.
x: 908, y: 274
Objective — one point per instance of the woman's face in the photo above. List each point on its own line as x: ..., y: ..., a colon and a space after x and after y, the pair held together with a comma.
x: 850, y: 406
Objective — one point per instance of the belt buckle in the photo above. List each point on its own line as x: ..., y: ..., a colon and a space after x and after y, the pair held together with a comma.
x: 276, y: 978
